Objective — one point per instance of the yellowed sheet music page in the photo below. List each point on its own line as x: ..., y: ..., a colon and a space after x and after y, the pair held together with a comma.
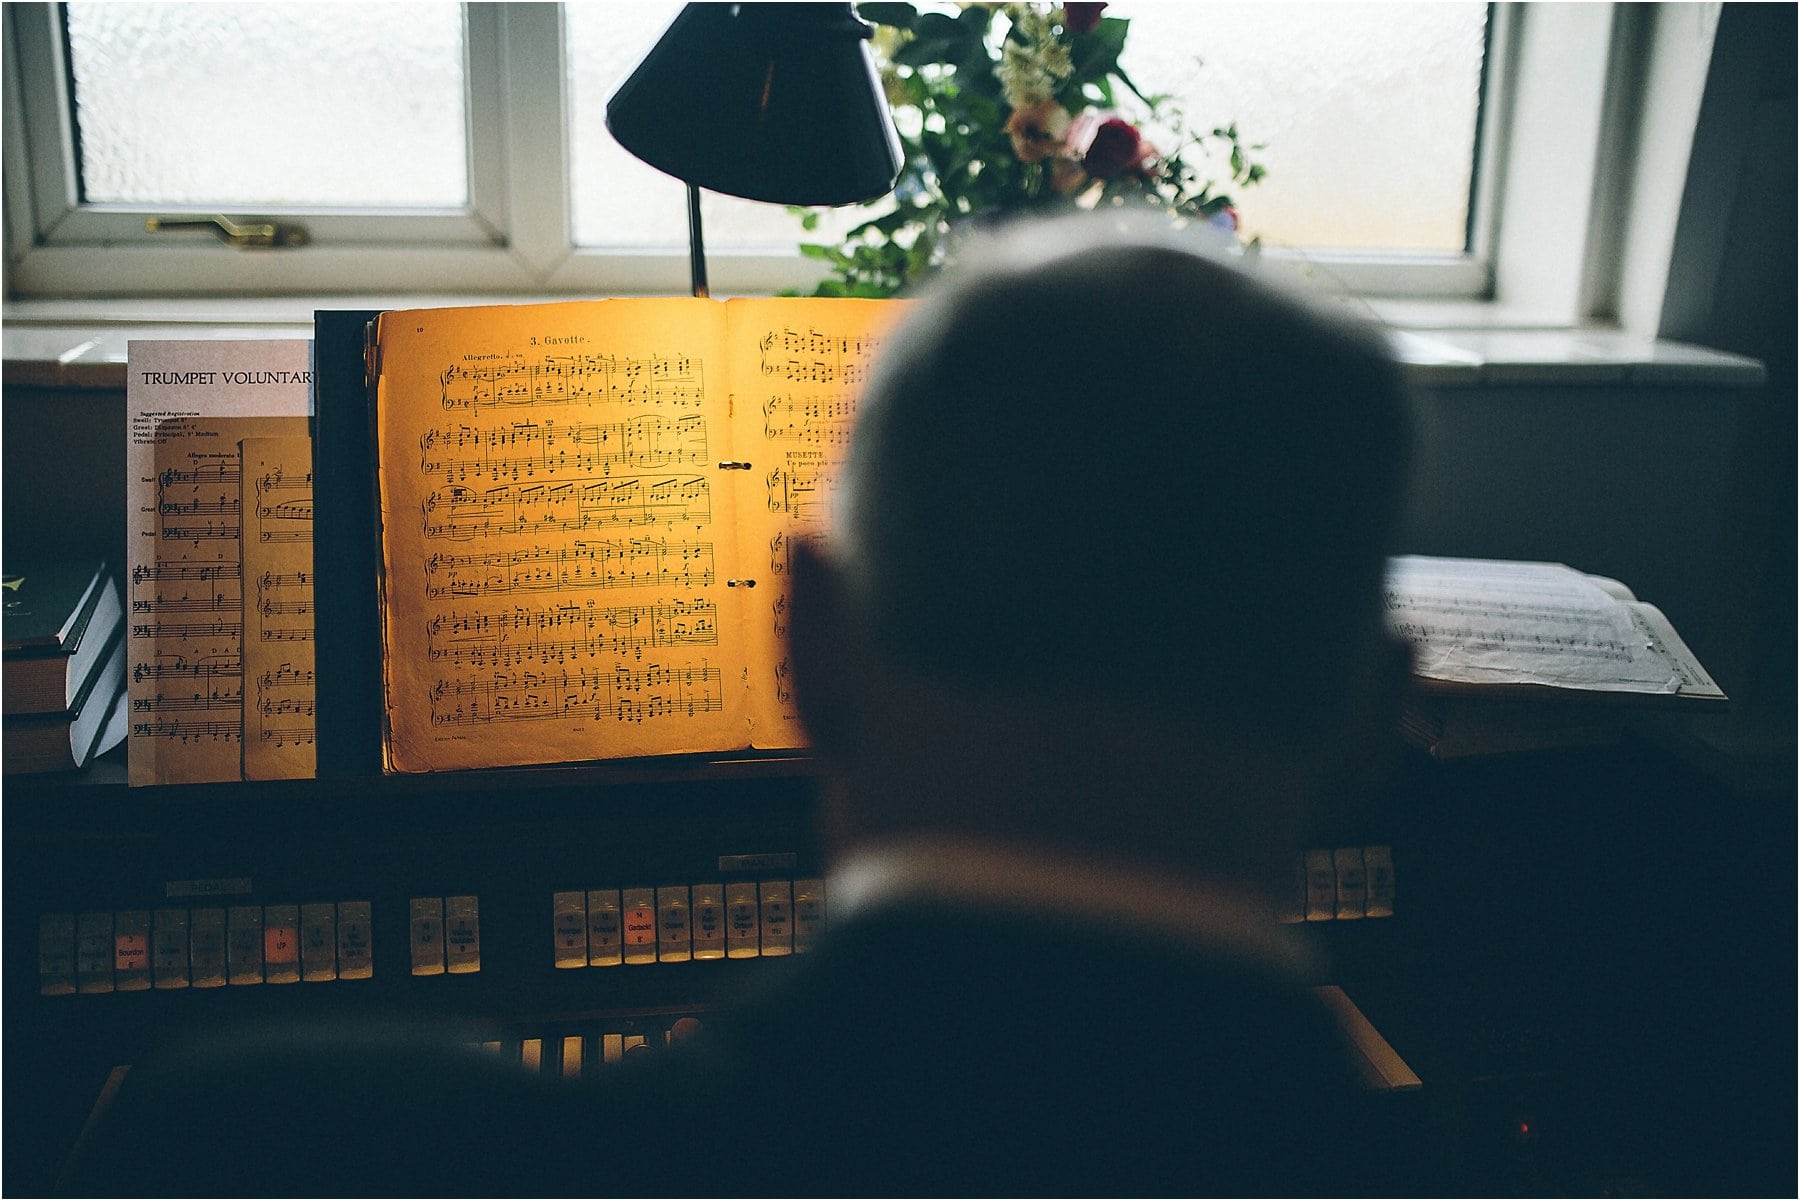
x: 554, y: 534
x: 798, y: 367
x: 279, y: 743
x: 189, y: 404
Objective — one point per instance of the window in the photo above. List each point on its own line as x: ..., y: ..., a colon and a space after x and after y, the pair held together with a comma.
x: 436, y: 147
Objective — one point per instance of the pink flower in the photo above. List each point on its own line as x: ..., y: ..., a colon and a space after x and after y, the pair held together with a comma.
x: 1082, y: 18
x: 1037, y: 131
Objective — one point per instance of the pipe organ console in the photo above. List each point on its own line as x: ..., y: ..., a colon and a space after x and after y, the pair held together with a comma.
x: 1506, y: 950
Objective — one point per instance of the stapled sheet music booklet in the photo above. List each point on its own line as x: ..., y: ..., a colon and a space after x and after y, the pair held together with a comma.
x: 585, y: 514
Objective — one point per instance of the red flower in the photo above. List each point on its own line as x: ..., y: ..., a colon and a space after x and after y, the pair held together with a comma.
x: 1116, y: 147
x: 1082, y: 18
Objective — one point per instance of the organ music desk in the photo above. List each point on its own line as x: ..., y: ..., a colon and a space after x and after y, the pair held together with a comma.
x: 1588, y: 963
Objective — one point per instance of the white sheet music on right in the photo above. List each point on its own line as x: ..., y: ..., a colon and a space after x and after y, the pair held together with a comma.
x: 1497, y: 622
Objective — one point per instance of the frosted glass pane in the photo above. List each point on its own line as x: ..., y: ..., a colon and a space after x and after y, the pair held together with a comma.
x: 1367, y: 112
x: 270, y: 104
x: 618, y: 200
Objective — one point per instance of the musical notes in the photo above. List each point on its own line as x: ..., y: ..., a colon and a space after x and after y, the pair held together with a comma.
x: 279, y: 610
x: 178, y: 668
x: 811, y: 357
x: 635, y: 563
x: 796, y: 493
x: 226, y: 475
x: 573, y: 380
x: 186, y: 630
x: 221, y: 733
x: 820, y: 421
x: 802, y: 412
x: 460, y: 513
x: 203, y: 572
x: 189, y: 631
x: 198, y: 702
x: 620, y: 695
x: 525, y: 450
x: 560, y: 632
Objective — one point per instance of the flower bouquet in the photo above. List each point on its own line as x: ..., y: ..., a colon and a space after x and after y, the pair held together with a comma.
x: 1011, y: 108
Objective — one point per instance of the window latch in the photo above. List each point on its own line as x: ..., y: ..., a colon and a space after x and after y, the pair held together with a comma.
x: 243, y: 235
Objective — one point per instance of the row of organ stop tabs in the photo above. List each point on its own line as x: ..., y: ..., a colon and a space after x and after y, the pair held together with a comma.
x: 680, y: 922
x: 203, y: 947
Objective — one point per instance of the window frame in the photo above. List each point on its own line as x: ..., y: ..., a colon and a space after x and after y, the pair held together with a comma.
x: 515, y: 238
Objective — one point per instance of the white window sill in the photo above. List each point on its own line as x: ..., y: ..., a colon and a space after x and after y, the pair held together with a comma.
x: 82, y: 344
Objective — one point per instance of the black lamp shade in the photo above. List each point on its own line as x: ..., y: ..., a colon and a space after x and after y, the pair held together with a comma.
x: 775, y: 102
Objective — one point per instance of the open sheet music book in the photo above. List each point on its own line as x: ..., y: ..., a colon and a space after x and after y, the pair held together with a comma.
x: 1496, y: 643
x: 585, y: 510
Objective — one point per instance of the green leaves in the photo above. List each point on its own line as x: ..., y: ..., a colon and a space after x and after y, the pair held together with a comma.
x: 1096, y: 54
x: 944, y: 76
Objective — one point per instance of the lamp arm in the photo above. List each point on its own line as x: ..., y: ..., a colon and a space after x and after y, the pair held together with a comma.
x: 696, y: 243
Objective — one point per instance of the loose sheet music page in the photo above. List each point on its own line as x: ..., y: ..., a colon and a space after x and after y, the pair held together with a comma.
x: 189, y: 404
x: 555, y: 534
x: 799, y: 368
x: 279, y: 742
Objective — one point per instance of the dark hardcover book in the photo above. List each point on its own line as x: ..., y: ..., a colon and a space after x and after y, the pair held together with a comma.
x: 68, y: 741
x: 346, y: 554
x: 58, y: 619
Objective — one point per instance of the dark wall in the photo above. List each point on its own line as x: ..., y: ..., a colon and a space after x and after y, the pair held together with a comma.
x: 63, y: 487
x: 1733, y: 285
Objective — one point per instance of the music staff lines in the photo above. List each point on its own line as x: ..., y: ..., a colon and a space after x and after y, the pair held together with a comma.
x: 285, y: 606
x: 459, y: 513
x: 798, y: 494
x: 199, y: 506
x: 288, y: 733
x: 1549, y: 613
x: 218, y: 603
x: 555, y: 633
x: 184, y: 571
x: 573, y: 379
x: 819, y: 422
x: 232, y: 630
x: 1470, y: 638
x: 280, y: 481
x: 622, y: 694
x: 181, y: 731
x: 225, y: 474
x: 524, y: 449
x: 199, y: 702
x: 181, y: 669
x: 214, y: 531
x: 810, y: 357
x: 634, y: 563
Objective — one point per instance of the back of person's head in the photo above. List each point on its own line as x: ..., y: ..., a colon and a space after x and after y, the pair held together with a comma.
x: 1125, y: 468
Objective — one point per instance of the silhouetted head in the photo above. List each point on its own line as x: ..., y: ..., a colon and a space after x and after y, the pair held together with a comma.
x: 1111, y: 473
